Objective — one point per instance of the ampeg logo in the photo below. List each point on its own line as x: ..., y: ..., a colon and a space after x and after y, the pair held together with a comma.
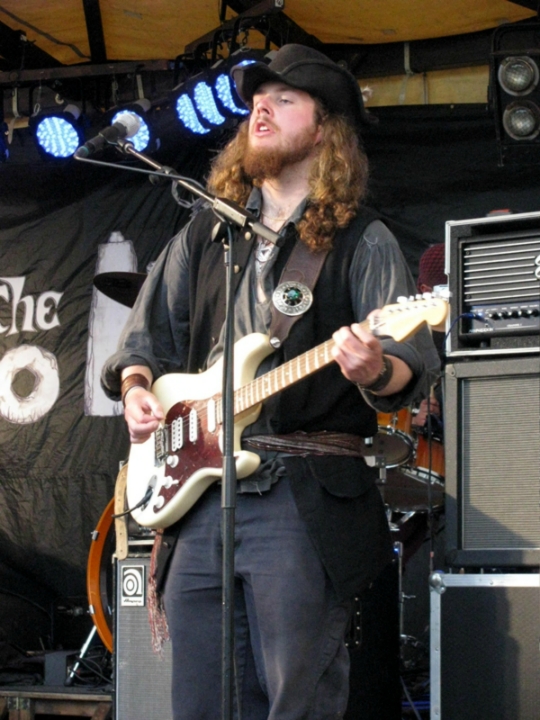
x: 132, y: 593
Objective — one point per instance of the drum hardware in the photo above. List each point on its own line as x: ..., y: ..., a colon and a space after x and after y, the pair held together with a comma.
x: 393, y: 440
x: 428, y: 461
x: 73, y: 672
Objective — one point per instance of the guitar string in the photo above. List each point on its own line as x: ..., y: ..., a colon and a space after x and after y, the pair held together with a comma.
x: 202, y: 413
x: 305, y: 358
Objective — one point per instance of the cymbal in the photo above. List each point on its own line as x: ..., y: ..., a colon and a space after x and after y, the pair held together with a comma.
x: 120, y: 286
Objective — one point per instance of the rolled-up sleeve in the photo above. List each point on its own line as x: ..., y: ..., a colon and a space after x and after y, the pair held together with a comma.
x: 378, y: 276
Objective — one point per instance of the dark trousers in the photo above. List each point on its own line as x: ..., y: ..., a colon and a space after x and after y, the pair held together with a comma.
x: 290, y: 657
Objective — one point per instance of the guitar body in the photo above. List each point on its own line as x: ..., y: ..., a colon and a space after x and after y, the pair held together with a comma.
x: 178, y: 477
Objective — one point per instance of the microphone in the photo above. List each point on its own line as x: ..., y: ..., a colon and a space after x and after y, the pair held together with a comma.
x: 127, y: 125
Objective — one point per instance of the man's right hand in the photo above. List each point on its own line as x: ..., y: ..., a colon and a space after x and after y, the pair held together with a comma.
x: 143, y: 414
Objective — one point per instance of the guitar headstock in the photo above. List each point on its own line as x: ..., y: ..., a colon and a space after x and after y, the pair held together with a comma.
x: 404, y: 318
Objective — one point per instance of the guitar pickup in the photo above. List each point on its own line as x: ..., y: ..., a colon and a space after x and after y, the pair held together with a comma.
x: 193, y: 426
x: 177, y: 434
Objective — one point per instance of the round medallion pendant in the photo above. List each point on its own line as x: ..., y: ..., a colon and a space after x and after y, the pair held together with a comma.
x: 292, y: 298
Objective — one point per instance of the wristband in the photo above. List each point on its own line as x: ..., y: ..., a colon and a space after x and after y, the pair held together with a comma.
x: 131, y: 381
x: 382, y: 379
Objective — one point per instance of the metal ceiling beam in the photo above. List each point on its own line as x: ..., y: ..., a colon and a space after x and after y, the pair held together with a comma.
x: 18, y: 77
x: 94, y: 29
x: 283, y: 30
x: 266, y: 16
x: 20, y: 53
x: 387, y: 59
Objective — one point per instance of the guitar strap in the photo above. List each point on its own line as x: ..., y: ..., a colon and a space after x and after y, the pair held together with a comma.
x: 297, y: 281
x: 120, y: 523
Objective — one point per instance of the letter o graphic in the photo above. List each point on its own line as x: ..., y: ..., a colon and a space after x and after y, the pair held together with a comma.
x: 44, y: 367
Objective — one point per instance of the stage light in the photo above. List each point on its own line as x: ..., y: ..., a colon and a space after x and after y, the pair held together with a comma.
x: 187, y: 115
x: 4, y: 150
x: 146, y: 138
x: 515, y: 92
x: 209, y: 101
x: 522, y: 120
x: 518, y: 75
x: 141, y: 109
x: 57, y: 132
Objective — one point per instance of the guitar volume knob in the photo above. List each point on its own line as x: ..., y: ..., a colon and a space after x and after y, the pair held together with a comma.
x: 172, y: 460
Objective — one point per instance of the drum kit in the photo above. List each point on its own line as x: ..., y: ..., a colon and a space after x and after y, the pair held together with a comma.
x: 411, y: 472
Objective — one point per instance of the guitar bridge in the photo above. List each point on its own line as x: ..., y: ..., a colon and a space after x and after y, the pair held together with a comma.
x: 161, y: 445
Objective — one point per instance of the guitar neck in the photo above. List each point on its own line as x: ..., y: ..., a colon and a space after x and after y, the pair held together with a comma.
x: 285, y: 375
x: 398, y: 321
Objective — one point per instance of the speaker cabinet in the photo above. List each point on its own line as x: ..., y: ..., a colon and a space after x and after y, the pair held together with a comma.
x: 484, y: 659
x: 492, y: 457
x: 142, y: 678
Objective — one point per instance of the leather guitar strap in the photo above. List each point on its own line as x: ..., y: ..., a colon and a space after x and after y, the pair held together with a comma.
x: 303, y: 266
x: 120, y: 523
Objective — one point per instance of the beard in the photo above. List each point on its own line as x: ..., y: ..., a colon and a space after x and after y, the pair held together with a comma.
x: 267, y: 163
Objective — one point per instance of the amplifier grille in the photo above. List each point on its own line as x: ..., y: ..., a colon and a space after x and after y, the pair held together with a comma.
x: 502, y: 268
x: 501, y: 462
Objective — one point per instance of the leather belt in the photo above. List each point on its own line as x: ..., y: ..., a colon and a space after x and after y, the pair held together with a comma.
x: 315, y: 443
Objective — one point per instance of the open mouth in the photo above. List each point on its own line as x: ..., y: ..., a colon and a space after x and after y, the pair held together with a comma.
x: 262, y: 128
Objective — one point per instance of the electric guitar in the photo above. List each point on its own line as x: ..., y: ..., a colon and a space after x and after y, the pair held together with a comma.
x: 169, y: 472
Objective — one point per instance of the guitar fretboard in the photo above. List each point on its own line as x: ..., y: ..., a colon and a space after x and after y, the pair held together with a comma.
x: 282, y: 377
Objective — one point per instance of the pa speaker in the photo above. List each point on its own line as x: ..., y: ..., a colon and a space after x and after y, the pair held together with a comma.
x: 142, y: 678
x: 492, y: 458
x: 514, y: 90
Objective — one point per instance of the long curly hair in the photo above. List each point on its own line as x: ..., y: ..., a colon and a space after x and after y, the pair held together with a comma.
x: 337, y: 180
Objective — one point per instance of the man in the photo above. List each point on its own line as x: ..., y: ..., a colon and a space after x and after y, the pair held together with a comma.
x: 311, y: 530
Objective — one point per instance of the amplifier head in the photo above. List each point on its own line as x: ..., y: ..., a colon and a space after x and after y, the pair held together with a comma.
x: 493, y: 266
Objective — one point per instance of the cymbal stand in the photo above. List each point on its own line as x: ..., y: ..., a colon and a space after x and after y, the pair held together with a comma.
x: 71, y: 677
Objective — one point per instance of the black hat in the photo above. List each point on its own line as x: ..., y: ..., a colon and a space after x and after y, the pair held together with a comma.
x: 306, y: 69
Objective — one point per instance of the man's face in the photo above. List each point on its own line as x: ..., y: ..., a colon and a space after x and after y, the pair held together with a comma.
x: 283, y: 130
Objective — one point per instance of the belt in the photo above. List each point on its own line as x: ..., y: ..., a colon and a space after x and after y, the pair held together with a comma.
x: 314, y: 443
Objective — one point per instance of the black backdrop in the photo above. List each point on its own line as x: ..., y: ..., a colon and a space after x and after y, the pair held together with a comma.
x: 57, y: 474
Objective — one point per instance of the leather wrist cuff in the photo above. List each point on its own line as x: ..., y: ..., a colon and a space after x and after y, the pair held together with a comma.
x: 383, y: 378
x: 131, y: 381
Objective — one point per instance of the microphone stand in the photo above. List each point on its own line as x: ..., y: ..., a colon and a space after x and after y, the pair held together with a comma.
x: 230, y: 214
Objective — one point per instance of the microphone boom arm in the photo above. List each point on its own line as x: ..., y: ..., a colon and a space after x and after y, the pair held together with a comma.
x: 223, y: 208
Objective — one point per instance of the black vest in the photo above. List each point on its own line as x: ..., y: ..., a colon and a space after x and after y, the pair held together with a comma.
x: 325, y: 400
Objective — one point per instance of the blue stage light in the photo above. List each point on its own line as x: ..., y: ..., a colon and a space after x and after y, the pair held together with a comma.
x: 206, y: 104
x: 142, y: 139
x: 57, y: 133
x: 208, y: 101
x: 223, y: 89
x: 187, y: 115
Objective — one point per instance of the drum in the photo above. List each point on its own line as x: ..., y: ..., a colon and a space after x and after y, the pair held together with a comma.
x: 403, y: 493
x: 428, y: 461
x: 99, y: 575
x: 393, y: 441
